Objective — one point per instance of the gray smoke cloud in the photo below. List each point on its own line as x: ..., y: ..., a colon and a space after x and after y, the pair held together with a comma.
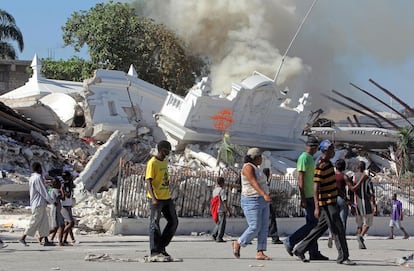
x: 242, y: 36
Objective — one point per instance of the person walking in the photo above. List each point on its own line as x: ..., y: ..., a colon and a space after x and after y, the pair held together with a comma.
x: 160, y: 202
x: 255, y: 201
x: 56, y: 218
x: 326, y: 208
x: 306, y: 172
x: 66, y: 208
x: 223, y: 210
x: 39, y: 198
x: 396, y: 218
x: 343, y: 201
x: 273, y: 233
x: 364, y: 202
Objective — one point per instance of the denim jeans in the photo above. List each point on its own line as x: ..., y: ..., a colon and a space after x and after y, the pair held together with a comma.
x: 328, y: 218
x: 160, y: 240
x: 256, y: 211
x: 343, y: 211
x: 302, y: 232
x: 218, y: 231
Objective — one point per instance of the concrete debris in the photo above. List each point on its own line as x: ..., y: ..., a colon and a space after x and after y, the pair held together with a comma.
x: 406, y: 261
x: 117, y: 115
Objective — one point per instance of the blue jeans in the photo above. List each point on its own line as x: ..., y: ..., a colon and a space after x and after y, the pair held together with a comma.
x: 302, y: 232
x: 159, y: 240
x: 343, y: 211
x: 256, y: 211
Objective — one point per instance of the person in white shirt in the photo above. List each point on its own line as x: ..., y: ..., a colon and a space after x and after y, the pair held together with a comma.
x: 39, y: 198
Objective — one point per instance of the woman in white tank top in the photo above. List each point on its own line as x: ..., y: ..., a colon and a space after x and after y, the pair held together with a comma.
x: 255, y: 201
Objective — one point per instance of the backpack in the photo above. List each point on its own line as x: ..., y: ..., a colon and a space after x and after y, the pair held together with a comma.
x: 214, y: 207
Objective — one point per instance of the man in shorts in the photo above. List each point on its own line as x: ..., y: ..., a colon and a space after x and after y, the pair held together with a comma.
x: 364, y: 203
x: 396, y: 218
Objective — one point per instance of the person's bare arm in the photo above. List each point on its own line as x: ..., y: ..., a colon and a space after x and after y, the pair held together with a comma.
x: 151, y: 191
x: 359, y: 182
x: 227, y: 208
x: 301, y: 185
x: 316, y: 187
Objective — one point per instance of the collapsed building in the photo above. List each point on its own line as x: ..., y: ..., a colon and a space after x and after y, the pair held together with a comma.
x: 102, y: 118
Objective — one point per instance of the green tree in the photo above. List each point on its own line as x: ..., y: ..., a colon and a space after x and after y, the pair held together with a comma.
x: 9, y: 32
x: 116, y: 38
x: 405, y: 144
x: 74, y: 69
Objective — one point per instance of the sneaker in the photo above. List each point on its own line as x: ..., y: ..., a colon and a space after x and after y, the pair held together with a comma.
x: 288, y: 248
x: 300, y: 256
x: 390, y: 237
x: 161, y: 257
x: 214, y: 237
x: 165, y: 254
x: 220, y: 240
x: 406, y: 237
x: 277, y: 242
x: 330, y: 243
x: 3, y: 245
x: 318, y: 257
x: 155, y: 254
x: 347, y: 262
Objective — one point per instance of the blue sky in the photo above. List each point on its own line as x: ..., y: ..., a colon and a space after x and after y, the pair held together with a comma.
x: 40, y: 23
x: 374, y: 36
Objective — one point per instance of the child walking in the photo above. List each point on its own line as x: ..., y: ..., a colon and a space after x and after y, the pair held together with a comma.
x: 56, y: 218
x: 396, y: 218
x: 220, y: 227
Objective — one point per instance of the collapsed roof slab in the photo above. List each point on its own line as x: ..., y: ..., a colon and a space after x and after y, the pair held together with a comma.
x: 365, y: 136
x: 115, y: 100
x: 255, y: 113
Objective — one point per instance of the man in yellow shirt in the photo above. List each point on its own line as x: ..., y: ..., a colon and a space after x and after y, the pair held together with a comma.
x: 160, y: 202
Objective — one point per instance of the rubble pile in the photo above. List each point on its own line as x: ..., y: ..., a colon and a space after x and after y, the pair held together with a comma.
x: 95, y: 213
x: 54, y: 152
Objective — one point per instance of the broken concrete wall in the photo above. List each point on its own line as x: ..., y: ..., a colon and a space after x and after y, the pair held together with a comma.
x: 254, y: 112
x: 115, y: 100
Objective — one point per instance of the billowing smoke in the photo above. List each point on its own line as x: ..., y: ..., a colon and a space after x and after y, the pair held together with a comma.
x: 242, y: 36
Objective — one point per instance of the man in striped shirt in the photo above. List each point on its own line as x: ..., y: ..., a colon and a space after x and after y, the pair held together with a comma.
x: 326, y: 208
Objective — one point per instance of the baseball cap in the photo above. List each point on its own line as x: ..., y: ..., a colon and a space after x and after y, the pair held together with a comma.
x: 325, y: 144
x: 312, y: 141
x: 254, y: 152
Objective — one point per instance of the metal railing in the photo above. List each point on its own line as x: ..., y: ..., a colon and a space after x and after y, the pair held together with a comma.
x: 191, y: 191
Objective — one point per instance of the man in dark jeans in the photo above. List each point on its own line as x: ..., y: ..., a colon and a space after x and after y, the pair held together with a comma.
x: 326, y: 208
x: 160, y: 202
x: 272, y: 219
x: 306, y: 171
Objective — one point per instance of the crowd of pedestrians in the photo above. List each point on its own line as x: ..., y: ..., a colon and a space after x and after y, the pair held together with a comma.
x: 326, y: 196
x: 47, y: 226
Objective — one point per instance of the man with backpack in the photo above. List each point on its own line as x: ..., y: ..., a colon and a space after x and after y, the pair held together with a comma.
x: 219, y: 209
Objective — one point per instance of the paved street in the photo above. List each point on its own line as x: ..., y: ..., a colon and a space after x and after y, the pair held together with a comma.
x: 198, y: 253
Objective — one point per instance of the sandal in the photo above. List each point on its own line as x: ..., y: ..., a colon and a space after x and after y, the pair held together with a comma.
x: 263, y: 257
x: 236, y: 249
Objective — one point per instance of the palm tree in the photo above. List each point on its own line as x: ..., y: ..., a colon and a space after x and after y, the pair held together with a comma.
x: 9, y: 31
x: 405, y: 144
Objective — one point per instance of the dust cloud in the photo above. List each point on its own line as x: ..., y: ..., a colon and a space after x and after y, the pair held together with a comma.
x: 336, y: 41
